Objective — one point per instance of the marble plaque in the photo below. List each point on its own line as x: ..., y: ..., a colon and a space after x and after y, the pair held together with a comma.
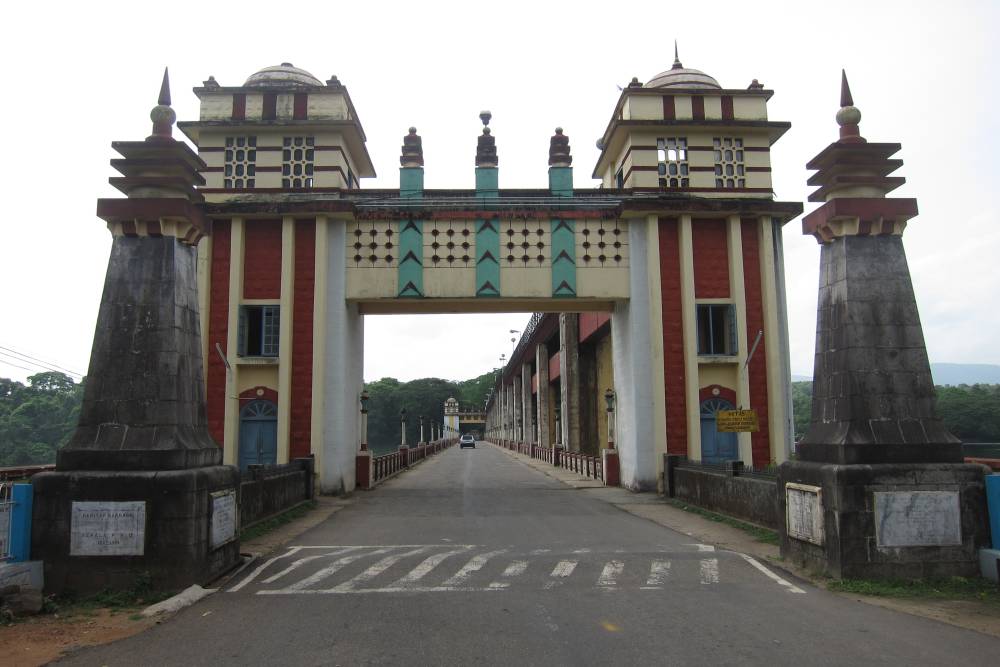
x: 804, y: 513
x: 108, y: 528
x: 224, y: 517
x: 917, y: 519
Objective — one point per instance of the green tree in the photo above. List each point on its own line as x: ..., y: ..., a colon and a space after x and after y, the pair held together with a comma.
x: 37, y: 419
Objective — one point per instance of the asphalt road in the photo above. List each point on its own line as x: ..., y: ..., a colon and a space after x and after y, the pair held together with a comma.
x: 475, y: 558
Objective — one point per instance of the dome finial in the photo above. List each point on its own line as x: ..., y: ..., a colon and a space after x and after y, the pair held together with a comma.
x: 845, y: 90
x: 849, y: 116
x: 164, y: 98
x: 677, y: 59
x: 162, y: 115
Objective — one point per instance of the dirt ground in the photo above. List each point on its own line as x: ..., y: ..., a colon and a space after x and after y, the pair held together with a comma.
x: 42, y: 639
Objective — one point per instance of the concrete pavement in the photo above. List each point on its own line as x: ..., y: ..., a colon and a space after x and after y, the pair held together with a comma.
x: 476, y: 557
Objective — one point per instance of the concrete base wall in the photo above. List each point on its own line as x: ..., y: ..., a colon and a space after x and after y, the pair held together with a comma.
x: 267, y: 491
x: 755, y: 500
x: 177, y: 549
x: 851, y: 548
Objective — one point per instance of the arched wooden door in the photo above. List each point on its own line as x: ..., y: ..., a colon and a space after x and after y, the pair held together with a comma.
x: 716, y: 447
x: 258, y: 434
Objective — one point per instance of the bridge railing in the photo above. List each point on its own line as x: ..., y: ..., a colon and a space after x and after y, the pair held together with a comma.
x: 389, y: 465
x: 583, y: 464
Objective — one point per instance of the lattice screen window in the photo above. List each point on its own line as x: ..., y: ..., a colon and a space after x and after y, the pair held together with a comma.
x: 730, y: 171
x: 672, y: 164
x: 297, y: 162
x: 449, y: 244
x: 373, y: 244
x: 240, y: 170
x: 603, y: 242
x: 525, y: 243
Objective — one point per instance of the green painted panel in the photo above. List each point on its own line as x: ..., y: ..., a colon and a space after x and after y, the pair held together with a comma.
x: 561, y: 181
x: 488, y: 258
x: 563, y: 258
x: 487, y: 237
x: 410, y: 274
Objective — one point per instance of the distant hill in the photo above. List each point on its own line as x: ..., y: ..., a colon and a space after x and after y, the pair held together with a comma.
x: 951, y: 374
x: 956, y: 374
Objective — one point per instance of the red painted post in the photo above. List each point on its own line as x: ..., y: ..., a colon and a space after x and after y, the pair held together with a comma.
x: 612, y: 467
x: 363, y: 472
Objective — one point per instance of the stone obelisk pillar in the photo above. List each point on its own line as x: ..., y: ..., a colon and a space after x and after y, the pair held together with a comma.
x: 139, y: 490
x: 878, y: 488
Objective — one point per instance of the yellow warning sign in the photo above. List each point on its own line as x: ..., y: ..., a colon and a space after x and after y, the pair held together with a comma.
x: 736, y: 421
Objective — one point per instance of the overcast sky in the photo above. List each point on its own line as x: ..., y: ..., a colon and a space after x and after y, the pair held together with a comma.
x: 81, y: 75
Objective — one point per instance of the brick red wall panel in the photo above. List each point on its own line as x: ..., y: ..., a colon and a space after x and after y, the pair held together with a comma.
x: 262, y: 259
x: 757, y: 368
x: 698, y: 107
x: 591, y: 323
x: 554, y: 367
x: 673, y: 337
x: 218, y: 329
x: 711, y: 259
x: 300, y: 428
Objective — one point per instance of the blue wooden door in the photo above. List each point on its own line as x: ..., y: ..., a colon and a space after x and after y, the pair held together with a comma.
x: 258, y: 434
x: 716, y: 447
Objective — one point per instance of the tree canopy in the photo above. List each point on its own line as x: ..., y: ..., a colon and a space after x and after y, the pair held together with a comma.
x: 37, y: 419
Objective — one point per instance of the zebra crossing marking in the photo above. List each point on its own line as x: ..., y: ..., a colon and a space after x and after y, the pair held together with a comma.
x: 355, y: 578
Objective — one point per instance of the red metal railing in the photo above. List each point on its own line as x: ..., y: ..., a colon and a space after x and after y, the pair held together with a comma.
x: 583, y: 464
x: 389, y: 465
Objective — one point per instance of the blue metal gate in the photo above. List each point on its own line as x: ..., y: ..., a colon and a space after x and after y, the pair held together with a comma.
x: 716, y: 447
x: 258, y: 434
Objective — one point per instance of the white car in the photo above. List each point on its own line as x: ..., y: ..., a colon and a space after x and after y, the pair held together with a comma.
x: 467, y: 440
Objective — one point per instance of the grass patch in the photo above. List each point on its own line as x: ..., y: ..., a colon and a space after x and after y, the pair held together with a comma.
x: 950, y: 588
x: 278, y: 521
x: 764, y: 535
x: 139, y: 595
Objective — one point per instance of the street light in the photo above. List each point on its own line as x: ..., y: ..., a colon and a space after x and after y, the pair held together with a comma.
x: 364, y: 420
x: 609, y: 398
x: 402, y: 420
x: 421, y: 429
x: 558, y: 424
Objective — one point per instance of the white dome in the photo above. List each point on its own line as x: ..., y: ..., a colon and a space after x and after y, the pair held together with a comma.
x: 682, y: 77
x: 284, y: 75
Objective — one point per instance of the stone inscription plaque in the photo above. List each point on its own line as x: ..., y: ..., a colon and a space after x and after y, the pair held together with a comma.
x: 224, y: 517
x: 804, y: 512
x: 108, y: 529
x: 917, y: 519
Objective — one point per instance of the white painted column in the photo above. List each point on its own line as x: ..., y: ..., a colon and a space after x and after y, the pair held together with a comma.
x: 518, y: 407
x: 542, y: 397
x: 637, y: 335
x: 779, y: 421
x: 285, y: 333
x: 689, y: 324
x: 744, y: 337
x: 527, y: 430
x: 319, y: 342
x: 205, y: 303
x: 343, y: 369
x: 232, y: 427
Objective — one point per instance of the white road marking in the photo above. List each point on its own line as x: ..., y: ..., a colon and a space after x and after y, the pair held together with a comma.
x: 609, y: 575
x: 539, y: 552
x: 331, y: 569
x: 563, y: 569
x: 302, y: 561
x: 515, y: 569
x: 659, y: 570
x: 581, y: 551
x: 475, y: 564
x: 792, y: 588
x: 376, y: 569
x: 261, y: 568
x: 424, y: 568
x: 702, y: 547
x: 709, y: 570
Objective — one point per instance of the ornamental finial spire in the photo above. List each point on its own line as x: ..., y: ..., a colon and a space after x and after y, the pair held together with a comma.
x: 162, y: 115
x: 849, y: 116
x: 677, y: 59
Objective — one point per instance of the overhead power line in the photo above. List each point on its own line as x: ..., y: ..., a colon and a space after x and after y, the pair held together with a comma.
x: 35, y: 361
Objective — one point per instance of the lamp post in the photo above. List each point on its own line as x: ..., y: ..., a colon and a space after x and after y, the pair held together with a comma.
x: 364, y: 420
x: 421, y: 429
x: 402, y: 421
x: 609, y: 398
